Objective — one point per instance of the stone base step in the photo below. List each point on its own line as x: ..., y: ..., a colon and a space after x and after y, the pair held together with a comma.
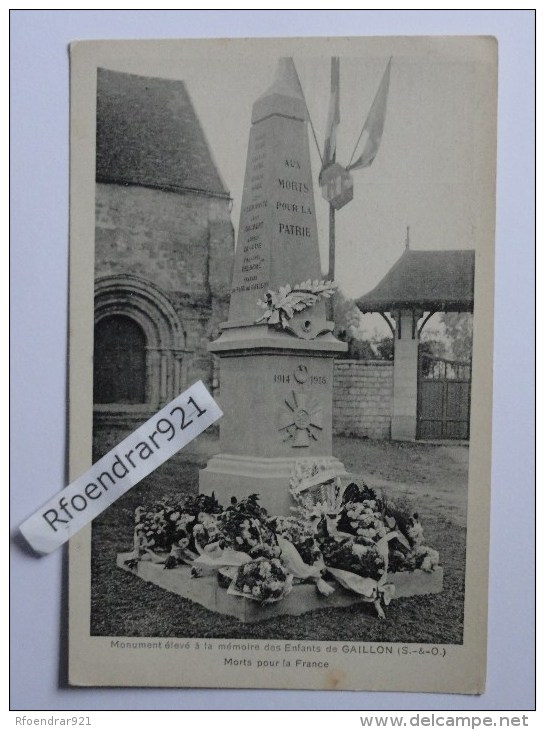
x: 303, y: 598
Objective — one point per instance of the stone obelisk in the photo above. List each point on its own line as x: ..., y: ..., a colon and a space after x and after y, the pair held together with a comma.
x: 275, y: 382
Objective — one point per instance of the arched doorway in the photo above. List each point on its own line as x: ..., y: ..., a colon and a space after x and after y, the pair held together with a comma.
x: 119, y: 361
x: 140, y: 353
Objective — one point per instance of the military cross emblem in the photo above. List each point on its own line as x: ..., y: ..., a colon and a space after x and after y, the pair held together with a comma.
x: 300, y: 421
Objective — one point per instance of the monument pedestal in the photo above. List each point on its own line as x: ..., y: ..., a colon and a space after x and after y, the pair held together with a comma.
x: 230, y: 475
x: 276, y: 395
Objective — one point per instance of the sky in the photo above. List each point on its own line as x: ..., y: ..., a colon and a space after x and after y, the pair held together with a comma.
x: 424, y: 175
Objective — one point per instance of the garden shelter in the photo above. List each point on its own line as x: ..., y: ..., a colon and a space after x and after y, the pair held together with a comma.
x: 430, y: 400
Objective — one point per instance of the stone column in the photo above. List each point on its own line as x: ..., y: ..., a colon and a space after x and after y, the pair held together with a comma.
x: 164, y: 376
x: 177, y: 373
x: 404, y: 409
x: 152, y: 371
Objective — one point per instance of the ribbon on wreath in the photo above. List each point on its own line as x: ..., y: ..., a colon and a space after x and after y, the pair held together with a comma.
x: 373, y: 591
x: 142, y: 553
x: 297, y: 566
x: 214, y: 557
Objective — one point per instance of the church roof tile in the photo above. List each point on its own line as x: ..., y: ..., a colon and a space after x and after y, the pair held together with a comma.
x: 149, y: 134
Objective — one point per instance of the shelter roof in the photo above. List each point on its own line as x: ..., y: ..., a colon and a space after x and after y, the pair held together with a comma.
x: 428, y: 280
x: 149, y: 134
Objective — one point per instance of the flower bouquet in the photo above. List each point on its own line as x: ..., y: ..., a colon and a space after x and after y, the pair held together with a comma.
x: 264, y: 580
x: 300, y: 552
x: 354, y: 556
x: 234, y: 537
x: 160, y: 526
x: 416, y: 555
x: 302, y: 536
x: 367, y: 515
x: 245, y: 527
x: 166, y: 532
x: 206, y: 532
x: 363, y: 514
x: 360, y: 568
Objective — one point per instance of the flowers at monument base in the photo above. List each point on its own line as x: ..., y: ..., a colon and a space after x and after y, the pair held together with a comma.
x: 245, y: 527
x: 362, y: 519
x: 178, y: 527
x: 264, y: 580
x: 300, y: 552
x: 420, y: 557
x: 316, y: 491
x: 301, y: 535
x: 355, y: 556
x: 206, y: 531
x: 415, y: 555
x: 160, y: 526
x: 353, y: 535
x: 426, y: 558
x: 363, y: 514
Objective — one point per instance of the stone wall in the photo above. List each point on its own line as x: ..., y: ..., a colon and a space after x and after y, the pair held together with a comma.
x: 362, y: 398
x: 180, y: 242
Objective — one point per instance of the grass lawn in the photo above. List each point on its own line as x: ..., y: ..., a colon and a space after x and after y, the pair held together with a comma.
x: 434, y: 477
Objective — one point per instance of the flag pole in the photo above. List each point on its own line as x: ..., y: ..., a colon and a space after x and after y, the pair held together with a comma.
x: 335, y: 82
x: 336, y: 180
x: 331, y: 270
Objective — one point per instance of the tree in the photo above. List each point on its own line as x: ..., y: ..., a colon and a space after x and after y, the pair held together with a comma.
x: 459, y: 330
x: 384, y: 348
x: 347, y: 316
x: 433, y: 343
x: 347, y: 323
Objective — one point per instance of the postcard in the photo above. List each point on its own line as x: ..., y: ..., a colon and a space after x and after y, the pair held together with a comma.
x: 307, y: 227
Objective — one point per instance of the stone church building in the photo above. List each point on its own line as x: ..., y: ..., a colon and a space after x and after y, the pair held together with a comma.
x: 164, y: 247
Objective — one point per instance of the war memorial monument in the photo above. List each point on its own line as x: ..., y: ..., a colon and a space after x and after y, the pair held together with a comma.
x: 275, y: 480
x: 276, y: 368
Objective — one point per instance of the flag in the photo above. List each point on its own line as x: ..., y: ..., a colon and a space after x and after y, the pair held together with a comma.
x: 333, y: 117
x: 374, y: 124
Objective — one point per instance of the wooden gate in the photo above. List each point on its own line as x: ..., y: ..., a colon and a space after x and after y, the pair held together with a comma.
x: 444, y: 394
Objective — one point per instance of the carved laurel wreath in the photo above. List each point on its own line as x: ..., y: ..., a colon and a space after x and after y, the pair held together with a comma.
x: 280, y: 306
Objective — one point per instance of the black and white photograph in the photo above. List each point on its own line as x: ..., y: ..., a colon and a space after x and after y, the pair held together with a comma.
x: 307, y: 227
